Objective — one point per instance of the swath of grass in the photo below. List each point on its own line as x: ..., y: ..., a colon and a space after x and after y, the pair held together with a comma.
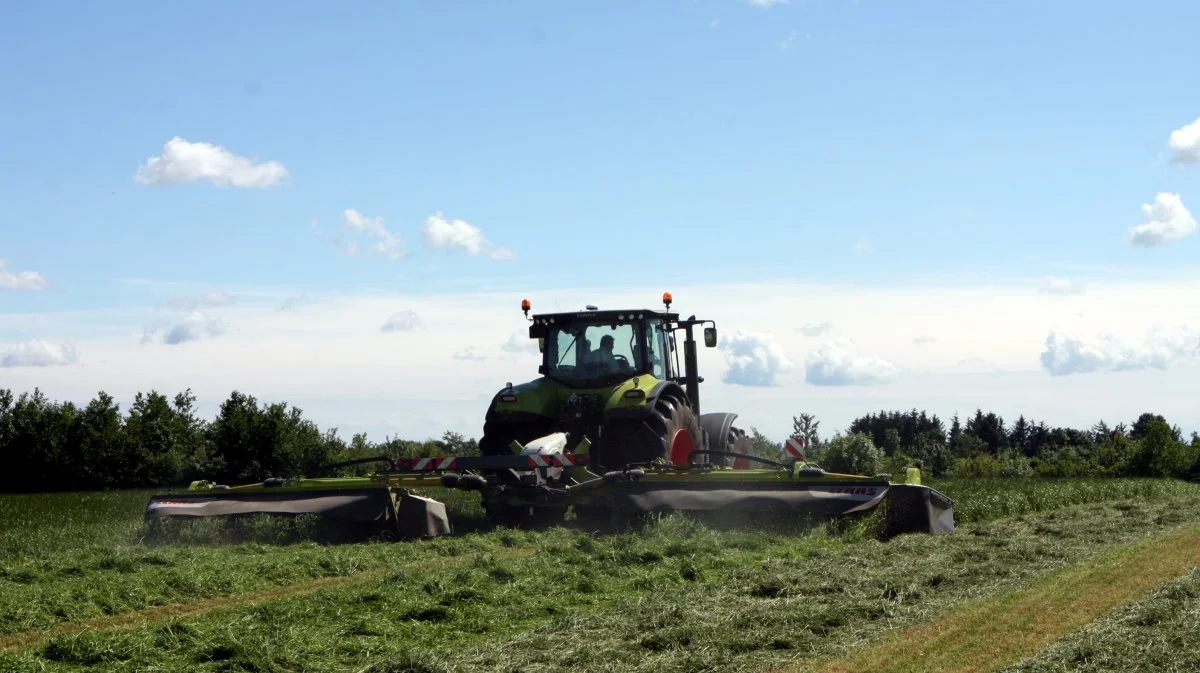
x: 173, y: 611
x: 1001, y: 630
x: 1157, y: 634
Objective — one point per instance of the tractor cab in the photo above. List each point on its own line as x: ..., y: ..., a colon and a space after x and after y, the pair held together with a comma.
x: 593, y: 348
x: 597, y: 349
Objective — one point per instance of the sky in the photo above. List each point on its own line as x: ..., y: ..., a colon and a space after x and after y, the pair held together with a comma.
x: 883, y: 205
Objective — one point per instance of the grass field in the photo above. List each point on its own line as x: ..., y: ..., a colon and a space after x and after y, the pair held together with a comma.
x: 85, y: 586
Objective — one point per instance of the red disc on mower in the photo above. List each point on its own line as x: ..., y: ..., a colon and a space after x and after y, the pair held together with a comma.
x: 682, y: 445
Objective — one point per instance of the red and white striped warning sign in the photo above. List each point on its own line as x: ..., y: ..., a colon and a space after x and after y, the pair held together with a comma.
x: 795, y: 446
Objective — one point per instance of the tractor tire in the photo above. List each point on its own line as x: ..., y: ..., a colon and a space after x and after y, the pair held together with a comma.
x: 738, y: 442
x: 671, y: 430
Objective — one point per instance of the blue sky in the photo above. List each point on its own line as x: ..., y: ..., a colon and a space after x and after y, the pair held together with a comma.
x: 869, y: 145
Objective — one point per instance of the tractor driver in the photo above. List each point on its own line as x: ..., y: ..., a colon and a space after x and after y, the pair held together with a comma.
x: 603, y: 356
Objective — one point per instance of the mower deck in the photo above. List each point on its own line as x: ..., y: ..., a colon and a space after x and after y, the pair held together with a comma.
x: 530, y: 482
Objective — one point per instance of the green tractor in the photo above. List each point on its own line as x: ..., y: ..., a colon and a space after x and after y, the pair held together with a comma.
x: 613, y: 376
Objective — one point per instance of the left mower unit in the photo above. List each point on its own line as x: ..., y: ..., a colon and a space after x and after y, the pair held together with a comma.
x: 383, y: 507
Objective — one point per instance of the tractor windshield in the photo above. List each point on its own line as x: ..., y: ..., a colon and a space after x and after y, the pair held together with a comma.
x: 589, y: 354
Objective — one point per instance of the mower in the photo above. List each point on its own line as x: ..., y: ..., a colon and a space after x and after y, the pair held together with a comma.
x: 612, y: 427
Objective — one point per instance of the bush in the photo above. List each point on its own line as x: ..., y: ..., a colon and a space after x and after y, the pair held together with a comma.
x: 851, y: 454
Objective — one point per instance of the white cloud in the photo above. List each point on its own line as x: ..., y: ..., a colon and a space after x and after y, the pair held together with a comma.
x: 1185, y: 144
x: 401, y: 321
x: 387, y: 243
x: 20, y: 280
x: 470, y: 354
x: 1163, y: 221
x: 519, y: 342
x: 787, y: 43
x: 193, y: 327
x: 1061, y: 286
x: 765, y: 4
x: 753, y: 359
x: 39, y: 353
x: 1159, y: 348
x: 838, y: 363
x: 184, y: 161
x: 863, y: 246
x: 923, y: 340
x: 440, y: 233
x: 814, y: 330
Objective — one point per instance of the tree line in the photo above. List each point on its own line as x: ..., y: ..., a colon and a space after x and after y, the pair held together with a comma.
x: 60, y: 446
x: 160, y: 441
x: 985, y: 445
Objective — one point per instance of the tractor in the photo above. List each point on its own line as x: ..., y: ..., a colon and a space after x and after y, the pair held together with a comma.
x: 611, y: 427
x: 613, y: 376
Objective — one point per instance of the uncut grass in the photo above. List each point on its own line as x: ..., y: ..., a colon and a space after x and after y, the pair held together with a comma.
x: 990, y: 499
x: 674, y: 597
x: 1160, y: 633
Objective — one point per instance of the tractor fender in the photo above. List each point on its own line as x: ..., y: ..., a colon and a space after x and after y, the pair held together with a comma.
x: 642, y: 410
x: 717, y: 425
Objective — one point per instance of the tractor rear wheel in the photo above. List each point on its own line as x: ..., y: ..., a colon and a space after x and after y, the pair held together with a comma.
x: 669, y: 432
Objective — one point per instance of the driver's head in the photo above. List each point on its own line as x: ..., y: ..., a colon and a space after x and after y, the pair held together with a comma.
x: 606, y: 342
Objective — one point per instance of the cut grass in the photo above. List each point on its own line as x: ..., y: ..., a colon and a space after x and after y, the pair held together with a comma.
x: 161, y: 613
x: 1158, y: 634
x: 987, y: 634
x: 676, y: 596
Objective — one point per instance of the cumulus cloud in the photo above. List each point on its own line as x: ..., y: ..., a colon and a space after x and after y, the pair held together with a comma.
x: 469, y: 353
x: 39, y: 353
x: 817, y: 329
x: 753, y: 359
x: 839, y: 363
x: 386, y: 242
x: 192, y: 327
x: 440, y: 233
x: 184, y: 161
x: 1060, y: 286
x: 519, y: 342
x: 1160, y: 348
x: 401, y: 321
x: 1163, y: 221
x: 1185, y: 144
x: 20, y: 280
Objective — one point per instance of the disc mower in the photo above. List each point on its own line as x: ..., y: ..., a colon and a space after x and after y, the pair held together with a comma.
x: 611, y: 427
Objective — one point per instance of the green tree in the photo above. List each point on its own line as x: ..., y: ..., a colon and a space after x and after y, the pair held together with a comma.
x: 851, y: 454
x: 808, y: 427
x: 104, y: 455
x: 1159, y: 453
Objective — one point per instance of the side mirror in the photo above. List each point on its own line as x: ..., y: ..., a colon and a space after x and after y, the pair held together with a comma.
x: 537, y: 331
x: 710, y: 336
